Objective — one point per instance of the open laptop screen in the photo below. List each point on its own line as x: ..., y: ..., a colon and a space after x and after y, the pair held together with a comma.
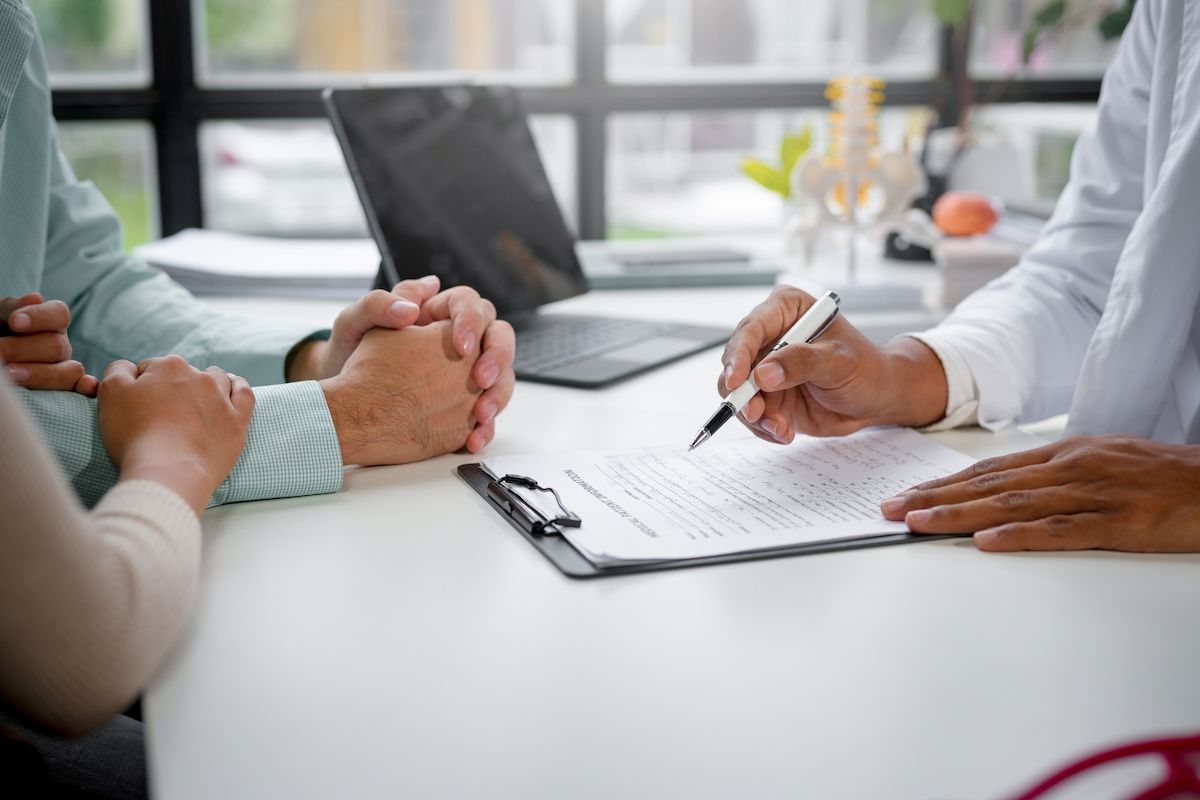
x: 452, y: 185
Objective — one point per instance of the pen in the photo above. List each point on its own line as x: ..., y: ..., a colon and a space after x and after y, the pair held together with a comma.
x: 812, y: 323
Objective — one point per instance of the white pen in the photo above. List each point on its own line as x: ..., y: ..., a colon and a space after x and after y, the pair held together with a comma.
x: 812, y: 323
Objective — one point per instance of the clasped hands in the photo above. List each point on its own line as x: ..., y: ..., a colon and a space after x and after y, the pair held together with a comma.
x: 407, y: 375
x: 1104, y: 492
x: 412, y: 373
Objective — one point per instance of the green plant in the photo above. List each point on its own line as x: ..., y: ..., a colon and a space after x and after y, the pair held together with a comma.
x: 779, y: 179
x: 1052, y: 18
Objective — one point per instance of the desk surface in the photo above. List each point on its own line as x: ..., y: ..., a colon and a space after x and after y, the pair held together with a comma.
x: 400, y: 640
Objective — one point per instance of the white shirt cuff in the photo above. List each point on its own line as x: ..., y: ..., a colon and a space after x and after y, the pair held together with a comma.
x: 962, y: 396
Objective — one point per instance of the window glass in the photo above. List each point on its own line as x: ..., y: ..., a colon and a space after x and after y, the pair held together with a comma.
x: 119, y: 158
x: 655, y: 40
x: 319, y: 41
x: 289, y: 178
x: 1078, y: 50
x: 679, y: 174
x: 94, y: 42
x: 1022, y: 152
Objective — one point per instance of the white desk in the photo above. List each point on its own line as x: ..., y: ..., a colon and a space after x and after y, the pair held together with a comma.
x: 400, y: 640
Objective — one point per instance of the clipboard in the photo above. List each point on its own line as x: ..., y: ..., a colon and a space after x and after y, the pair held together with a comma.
x: 562, y: 554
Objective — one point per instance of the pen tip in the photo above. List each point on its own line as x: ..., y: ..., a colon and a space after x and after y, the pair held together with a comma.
x: 700, y: 439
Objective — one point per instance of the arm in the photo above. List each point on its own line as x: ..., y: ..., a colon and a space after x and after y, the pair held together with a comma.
x: 291, y: 450
x: 89, y: 603
x: 1024, y: 336
x: 123, y: 309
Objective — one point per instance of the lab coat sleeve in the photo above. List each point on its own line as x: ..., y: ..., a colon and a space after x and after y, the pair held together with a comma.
x: 1024, y: 335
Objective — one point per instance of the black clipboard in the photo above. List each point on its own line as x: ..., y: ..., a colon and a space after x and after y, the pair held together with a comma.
x: 574, y: 564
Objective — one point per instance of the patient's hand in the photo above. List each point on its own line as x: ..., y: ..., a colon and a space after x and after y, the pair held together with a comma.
x: 166, y: 421
x: 34, y: 345
x: 424, y: 408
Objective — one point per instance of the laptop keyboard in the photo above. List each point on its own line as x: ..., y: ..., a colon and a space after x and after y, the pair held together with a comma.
x: 554, y: 341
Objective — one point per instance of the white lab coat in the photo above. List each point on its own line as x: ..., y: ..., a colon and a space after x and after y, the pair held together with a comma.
x: 1102, y: 316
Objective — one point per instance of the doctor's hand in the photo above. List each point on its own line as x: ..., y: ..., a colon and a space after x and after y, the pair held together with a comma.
x: 406, y: 396
x: 34, y: 345
x: 1085, y: 492
x: 838, y: 384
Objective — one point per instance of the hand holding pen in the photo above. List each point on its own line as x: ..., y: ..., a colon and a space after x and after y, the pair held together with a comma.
x: 831, y: 386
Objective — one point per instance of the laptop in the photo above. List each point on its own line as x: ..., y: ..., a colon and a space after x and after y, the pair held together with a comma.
x: 452, y: 185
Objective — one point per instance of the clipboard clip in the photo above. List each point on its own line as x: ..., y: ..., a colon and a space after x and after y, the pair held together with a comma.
x: 519, y: 509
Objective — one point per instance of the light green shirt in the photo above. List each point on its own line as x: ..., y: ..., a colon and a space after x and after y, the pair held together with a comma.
x: 59, y: 236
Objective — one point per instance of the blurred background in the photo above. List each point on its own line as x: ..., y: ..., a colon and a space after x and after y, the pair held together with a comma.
x: 207, y: 114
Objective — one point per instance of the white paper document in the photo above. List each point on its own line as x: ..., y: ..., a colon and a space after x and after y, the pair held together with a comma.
x: 213, y: 262
x: 732, y: 495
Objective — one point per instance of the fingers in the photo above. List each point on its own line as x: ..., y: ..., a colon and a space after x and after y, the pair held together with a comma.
x: 821, y: 363
x: 118, y: 373
x: 39, y: 317
x: 760, y: 330
x: 222, y: 380
x: 1001, y: 509
x: 62, y: 376
x: 469, y: 315
x: 1058, y: 532
x: 419, y: 291
x: 986, y: 484
x: 10, y: 304
x: 241, y: 395
x: 40, y: 348
x: 1025, y: 458
x: 87, y: 386
x: 494, y: 400
x: 481, y: 437
x: 497, y: 353
x: 377, y: 309
x: 171, y: 363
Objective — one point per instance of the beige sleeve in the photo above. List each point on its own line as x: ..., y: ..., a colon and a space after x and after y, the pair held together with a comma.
x: 89, y: 603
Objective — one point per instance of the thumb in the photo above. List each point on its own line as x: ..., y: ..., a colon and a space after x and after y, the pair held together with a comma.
x: 821, y: 364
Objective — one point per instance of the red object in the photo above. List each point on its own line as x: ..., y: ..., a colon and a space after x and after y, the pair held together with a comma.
x: 1182, y: 778
x: 964, y: 214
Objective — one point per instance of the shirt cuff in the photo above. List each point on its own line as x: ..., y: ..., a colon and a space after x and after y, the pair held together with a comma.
x: 962, y: 395
x: 292, y: 448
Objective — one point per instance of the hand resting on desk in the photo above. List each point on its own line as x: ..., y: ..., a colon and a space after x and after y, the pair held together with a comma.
x: 1107, y: 492
x: 475, y: 337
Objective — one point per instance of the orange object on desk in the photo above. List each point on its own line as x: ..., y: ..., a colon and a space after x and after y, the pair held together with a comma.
x: 964, y: 214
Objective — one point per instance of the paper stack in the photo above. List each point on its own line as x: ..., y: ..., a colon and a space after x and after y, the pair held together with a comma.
x: 212, y: 262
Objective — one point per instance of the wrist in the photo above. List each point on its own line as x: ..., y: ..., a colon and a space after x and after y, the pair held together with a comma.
x: 305, y: 361
x: 186, y: 477
x: 345, y: 423
x: 916, y: 383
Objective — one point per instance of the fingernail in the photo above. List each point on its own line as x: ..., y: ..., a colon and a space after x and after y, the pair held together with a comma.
x: 895, y: 504
x: 18, y: 374
x: 770, y: 427
x: 468, y: 343
x: 769, y: 375
x: 919, y: 517
x: 430, y: 279
x: 19, y: 321
x: 487, y: 412
x: 987, y: 538
x: 402, y: 308
x: 490, y: 373
x: 728, y: 375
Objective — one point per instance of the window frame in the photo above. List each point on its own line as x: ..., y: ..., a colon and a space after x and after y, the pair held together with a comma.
x: 175, y: 105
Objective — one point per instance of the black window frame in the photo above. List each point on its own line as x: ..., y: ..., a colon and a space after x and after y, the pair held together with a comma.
x: 176, y: 106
